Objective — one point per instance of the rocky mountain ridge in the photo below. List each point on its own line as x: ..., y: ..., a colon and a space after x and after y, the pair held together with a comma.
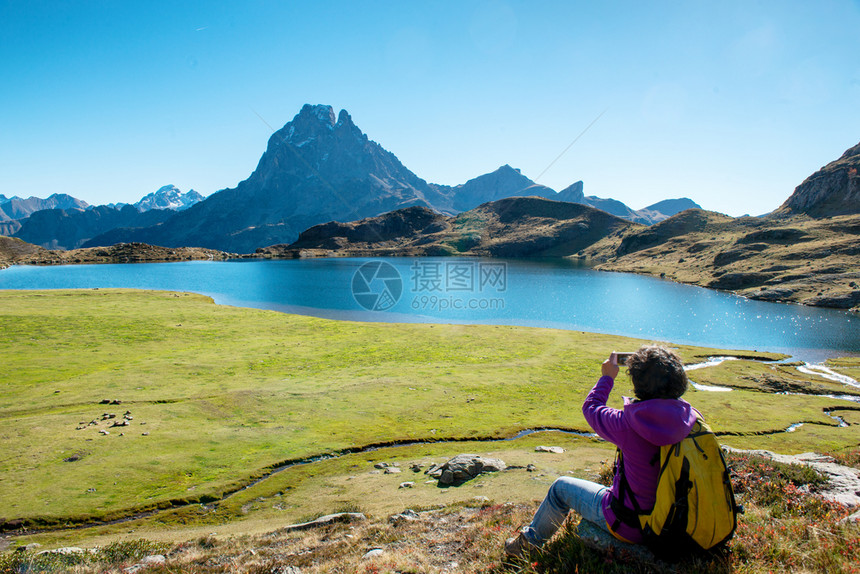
x: 73, y: 228
x: 15, y: 208
x: 64, y: 222
x: 320, y: 167
x: 832, y: 190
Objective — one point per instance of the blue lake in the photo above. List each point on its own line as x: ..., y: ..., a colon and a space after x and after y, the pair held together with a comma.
x: 554, y: 294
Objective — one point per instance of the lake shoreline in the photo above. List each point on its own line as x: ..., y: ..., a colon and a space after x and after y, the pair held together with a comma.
x: 546, y: 292
x: 145, y: 253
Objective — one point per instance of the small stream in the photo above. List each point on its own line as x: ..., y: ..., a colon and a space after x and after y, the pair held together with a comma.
x: 818, y: 370
x: 806, y: 368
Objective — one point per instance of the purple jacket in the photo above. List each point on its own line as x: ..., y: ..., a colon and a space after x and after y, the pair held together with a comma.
x: 639, y: 430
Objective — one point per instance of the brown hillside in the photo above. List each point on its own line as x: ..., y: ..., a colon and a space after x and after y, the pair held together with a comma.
x: 832, y: 190
x: 798, y: 259
x: 13, y: 250
x: 512, y: 227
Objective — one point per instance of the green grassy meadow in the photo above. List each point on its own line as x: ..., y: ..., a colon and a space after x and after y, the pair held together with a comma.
x: 219, y: 395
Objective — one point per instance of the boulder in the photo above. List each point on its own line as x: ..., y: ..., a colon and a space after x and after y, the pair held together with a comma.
x: 324, y: 520
x: 375, y: 553
x: 595, y: 537
x: 553, y: 449
x: 405, y: 516
x: 464, y: 467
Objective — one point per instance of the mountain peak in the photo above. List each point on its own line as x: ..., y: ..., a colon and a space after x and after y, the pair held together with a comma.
x: 851, y: 152
x: 169, y: 197
x: 832, y: 190
x: 343, y: 118
x: 322, y: 113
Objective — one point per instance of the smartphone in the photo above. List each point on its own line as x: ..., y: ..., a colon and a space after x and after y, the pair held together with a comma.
x: 621, y: 358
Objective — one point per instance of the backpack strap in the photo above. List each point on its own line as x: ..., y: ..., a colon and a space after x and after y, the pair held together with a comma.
x: 623, y: 513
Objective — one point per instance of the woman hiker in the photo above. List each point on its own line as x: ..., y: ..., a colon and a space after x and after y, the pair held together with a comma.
x: 657, y: 417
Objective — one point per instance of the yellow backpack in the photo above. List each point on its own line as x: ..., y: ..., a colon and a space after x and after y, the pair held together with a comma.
x: 695, y: 507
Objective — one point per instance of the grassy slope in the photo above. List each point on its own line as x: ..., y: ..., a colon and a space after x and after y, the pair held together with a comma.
x: 795, y: 259
x: 225, y: 392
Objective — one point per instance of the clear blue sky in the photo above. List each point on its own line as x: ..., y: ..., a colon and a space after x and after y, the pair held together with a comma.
x: 731, y: 104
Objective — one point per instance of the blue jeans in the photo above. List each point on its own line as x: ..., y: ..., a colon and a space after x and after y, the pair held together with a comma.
x: 567, y: 494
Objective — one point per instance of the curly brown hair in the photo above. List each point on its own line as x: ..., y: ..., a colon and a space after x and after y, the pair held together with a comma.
x: 657, y: 373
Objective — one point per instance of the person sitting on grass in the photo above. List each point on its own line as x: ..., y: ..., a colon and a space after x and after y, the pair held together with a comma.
x: 657, y: 417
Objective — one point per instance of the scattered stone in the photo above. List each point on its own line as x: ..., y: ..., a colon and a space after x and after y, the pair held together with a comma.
x: 107, y: 416
x: 481, y: 499
x: 67, y: 551
x: 323, y: 520
x: 464, y: 467
x: 852, y: 518
x: 122, y: 423
x: 531, y: 468
x: 288, y: 570
x: 392, y: 470
x: 416, y: 467
x: 553, y: 449
x: 406, y: 484
x: 105, y: 432
x: 73, y: 458
x: 144, y: 434
x: 405, y: 516
x: 375, y: 553
x: 380, y: 465
x: 29, y: 547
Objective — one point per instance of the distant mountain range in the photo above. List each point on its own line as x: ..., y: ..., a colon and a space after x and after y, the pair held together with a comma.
x: 807, y: 251
x: 318, y: 168
x: 19, y: 208
x: 63, y: 222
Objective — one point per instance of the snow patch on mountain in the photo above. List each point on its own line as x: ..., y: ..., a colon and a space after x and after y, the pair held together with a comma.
x: 169, y: 197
